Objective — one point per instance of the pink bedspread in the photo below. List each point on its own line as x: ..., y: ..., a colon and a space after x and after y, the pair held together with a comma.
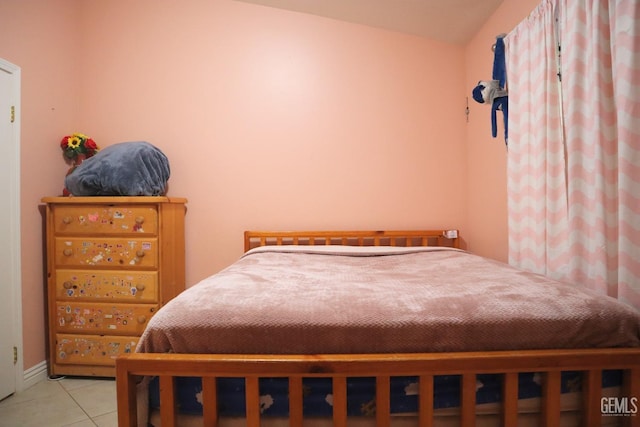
x: 305, y: 300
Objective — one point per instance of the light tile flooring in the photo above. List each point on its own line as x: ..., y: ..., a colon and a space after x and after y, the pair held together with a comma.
x: 66, y: 402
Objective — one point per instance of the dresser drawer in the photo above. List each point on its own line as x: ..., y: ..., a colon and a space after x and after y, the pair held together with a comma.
x: 108, y: 251
x: 125, y: 286
x: 99, y: 318
x: 99, y: 219
x: 92, y: 349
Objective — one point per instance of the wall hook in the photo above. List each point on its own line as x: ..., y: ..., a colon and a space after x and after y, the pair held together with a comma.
x: 466, y: 110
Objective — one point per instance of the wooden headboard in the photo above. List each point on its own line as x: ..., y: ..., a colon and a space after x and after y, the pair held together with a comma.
x: 450, y: 238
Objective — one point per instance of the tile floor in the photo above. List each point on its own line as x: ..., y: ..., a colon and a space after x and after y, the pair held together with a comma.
x: 67, y: 402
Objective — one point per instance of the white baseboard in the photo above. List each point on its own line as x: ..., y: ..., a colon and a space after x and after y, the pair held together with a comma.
x: 34, y: 375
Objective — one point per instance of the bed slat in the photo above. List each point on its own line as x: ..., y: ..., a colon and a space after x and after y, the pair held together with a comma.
x: 383, y: 401
x: 295, y: 401
x: 468, y: 400
x: 127, y: 398
x: 167, y: 400
x: 510, y: 399
x: 340, y: 401
x: 252, y: 391
x: 425, y: 405
x: 591, y: 392
x: 631, y: 388
x: 551, y: 399
x: 210, y: 395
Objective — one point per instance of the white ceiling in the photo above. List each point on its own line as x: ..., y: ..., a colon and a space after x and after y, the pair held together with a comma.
x: 451, y: 21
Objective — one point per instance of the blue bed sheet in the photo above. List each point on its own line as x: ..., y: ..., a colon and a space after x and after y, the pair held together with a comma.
x: 360, y: 392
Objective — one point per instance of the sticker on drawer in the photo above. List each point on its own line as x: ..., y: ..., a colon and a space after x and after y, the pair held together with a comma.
x: 101, y: 285
x: 106, y: 219
x: 100, y: 318
x: 92, y: 350
x: 107, y: 251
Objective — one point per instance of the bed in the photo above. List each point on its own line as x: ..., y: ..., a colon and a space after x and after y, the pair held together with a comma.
x: 459, y: 318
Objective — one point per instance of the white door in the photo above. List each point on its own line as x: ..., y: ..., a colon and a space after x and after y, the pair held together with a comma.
x: 10, y: 293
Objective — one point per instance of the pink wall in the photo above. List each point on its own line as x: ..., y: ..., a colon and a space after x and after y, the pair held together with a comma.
x: 271, y: 119
x: 275, y: 119
x: 39, y: 37
x: 486, y: 156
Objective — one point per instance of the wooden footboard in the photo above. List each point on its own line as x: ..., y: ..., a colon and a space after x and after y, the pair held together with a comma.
x: 551, y: 363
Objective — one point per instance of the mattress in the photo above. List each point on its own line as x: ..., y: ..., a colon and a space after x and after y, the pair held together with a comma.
x: 337, y: 299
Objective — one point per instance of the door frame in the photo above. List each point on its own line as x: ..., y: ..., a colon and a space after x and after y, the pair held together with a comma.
x: 14, y: 219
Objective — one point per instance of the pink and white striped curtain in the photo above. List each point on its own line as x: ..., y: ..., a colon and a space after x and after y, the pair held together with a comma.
x: 574, y: 146
x: 536, y: 163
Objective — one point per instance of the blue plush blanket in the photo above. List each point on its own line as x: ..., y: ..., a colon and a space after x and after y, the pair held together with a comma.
x: 124, y: 169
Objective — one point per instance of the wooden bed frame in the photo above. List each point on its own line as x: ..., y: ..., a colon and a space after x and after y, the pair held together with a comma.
x: 338, y: 367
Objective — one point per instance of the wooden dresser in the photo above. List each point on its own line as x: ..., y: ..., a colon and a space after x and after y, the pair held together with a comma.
x: 111, y: 263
